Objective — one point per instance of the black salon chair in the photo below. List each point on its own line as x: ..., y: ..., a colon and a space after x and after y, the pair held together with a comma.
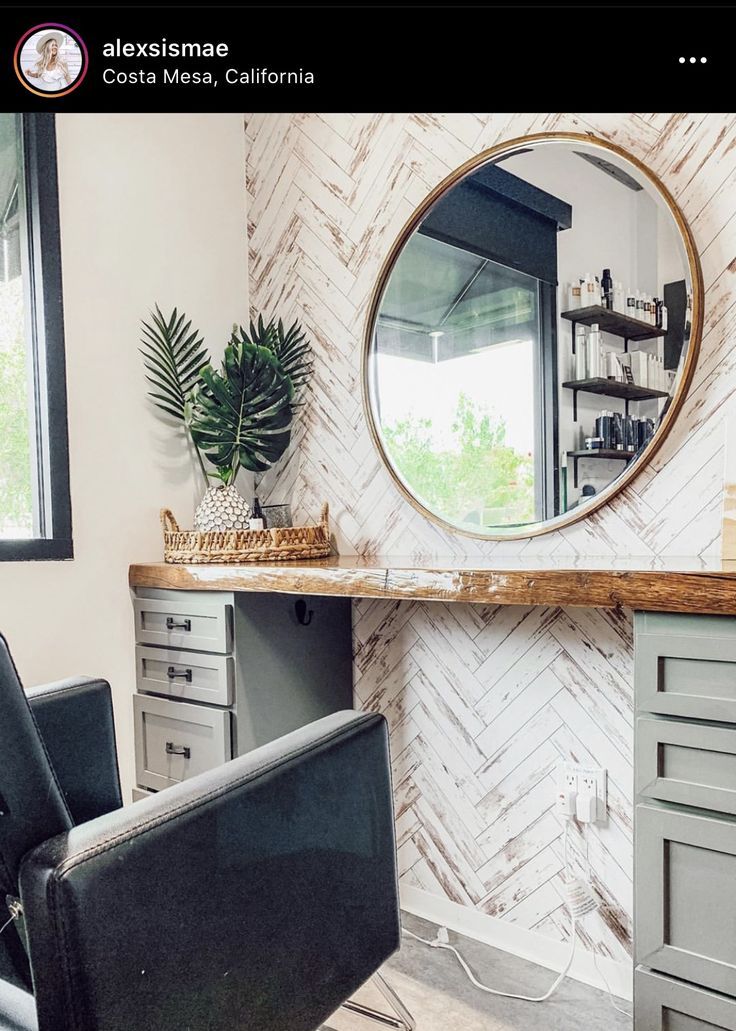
x: 259, y: 895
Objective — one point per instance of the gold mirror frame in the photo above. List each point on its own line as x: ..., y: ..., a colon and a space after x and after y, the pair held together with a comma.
x: 678, y: 397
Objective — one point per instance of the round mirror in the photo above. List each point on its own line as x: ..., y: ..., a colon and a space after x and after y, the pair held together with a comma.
x: 531, y: 336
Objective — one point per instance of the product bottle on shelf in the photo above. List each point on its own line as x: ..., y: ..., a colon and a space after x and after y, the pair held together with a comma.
x: 563, y: 483
x: 593, y: 344
x: 619, y: 298
x: 580, y: 352
x: 607, y: 289
x: 257, y: 520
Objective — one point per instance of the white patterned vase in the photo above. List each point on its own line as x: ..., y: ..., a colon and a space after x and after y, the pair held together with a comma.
x: 222, y: 508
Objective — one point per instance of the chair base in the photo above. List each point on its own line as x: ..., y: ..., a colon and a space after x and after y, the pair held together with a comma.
x: 399, y: 1020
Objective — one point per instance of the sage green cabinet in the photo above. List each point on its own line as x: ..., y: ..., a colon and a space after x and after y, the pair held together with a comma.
x: 219, y: 673
x: 686, y: 665
x: 685, y: 823
x: 685, y: 898
x: 663, y: 1004
x: 687, y: 762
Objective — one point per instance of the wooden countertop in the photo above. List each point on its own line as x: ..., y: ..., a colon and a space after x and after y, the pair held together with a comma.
x: 655, y: 585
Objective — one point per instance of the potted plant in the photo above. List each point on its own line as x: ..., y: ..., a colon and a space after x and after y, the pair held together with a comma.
x: 236, y: 417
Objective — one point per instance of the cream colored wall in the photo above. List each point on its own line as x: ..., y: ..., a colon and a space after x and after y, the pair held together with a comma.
x: 152, y: 210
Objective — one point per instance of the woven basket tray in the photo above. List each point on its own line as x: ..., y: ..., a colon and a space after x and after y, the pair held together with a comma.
x: 277, y: 545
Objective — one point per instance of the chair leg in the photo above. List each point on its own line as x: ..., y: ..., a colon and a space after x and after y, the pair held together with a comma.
x: 401, y: 1019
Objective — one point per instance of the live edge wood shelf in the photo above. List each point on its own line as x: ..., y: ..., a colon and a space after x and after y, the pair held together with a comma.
x: 645, y: 585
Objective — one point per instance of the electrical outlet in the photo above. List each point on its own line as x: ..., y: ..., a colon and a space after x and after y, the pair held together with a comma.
x: 566, y: 789
x: 581, y: 791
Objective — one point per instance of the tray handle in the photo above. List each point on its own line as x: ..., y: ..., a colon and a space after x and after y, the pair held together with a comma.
x: 168, y: 523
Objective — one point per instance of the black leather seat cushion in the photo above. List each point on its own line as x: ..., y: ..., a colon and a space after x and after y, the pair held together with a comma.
x: 260, y: 894
x: 32, y: 804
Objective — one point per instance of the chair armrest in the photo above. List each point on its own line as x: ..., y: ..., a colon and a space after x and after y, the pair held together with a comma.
x: 75, y: 720
x: 260, y: 894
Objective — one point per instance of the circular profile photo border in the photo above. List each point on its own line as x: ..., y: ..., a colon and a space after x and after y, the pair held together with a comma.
x: 51, y: 94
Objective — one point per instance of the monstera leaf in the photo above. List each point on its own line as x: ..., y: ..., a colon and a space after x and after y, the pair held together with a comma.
x: 290, y: 346
x: 173, y: 357
x: 242, y: 417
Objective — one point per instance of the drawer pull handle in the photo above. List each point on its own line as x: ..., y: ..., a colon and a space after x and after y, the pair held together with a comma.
x: 172, y: 749
x: 172, y: 673
x: 171, y: 625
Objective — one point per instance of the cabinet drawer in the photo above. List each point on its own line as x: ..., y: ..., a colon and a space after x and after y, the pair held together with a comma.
x: 185, y: 674
x: 184, y: 622
x: 690, y: 763
x: 661, y: 1004
x: 686, y: 665
x: 685, y: 903
x: 176, y: 740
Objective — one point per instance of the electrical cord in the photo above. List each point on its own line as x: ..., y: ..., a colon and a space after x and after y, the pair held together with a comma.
x: 611, y: 997
x: 442, y: 942
x: 579, y: 900
x: 438, y: 943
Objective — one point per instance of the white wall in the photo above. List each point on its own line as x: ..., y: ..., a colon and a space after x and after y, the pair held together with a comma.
x: 613, y: 227
x: 152, y: 210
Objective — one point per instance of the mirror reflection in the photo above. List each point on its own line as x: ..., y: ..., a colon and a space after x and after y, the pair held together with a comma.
x: 529, y: 337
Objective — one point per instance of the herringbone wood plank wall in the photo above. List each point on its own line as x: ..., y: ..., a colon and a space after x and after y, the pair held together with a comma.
x: 483, y: 702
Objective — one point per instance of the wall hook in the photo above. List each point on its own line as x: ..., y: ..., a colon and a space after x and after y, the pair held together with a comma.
x: 302, y: 616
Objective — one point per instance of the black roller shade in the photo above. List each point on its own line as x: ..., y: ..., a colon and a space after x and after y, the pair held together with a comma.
x: 500, y: 216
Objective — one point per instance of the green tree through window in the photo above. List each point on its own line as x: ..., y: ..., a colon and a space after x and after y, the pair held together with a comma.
x: 477, y: 481
x: 16, y: 506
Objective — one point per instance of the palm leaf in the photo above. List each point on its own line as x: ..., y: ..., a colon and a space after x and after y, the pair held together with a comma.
x: 173, y: 355
x: 291, y: 347
x: 243, y: 417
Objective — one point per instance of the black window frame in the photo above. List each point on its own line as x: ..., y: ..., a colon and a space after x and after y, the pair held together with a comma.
x: 48, y: 356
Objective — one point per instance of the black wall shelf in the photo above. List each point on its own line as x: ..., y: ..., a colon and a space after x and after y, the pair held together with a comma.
x: 614, y: 322
x: 611, y: 388
x: 601, y: 454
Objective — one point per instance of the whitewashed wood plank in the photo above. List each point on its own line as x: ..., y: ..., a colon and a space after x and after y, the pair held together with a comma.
x: 448, y: 761
x: 516, y: 853
x: 537, y: 695
x: 517, y: 677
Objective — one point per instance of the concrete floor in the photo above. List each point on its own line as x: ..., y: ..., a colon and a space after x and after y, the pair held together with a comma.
x: 434, y: 988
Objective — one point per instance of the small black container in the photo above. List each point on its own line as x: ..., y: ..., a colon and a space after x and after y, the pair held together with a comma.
x: 603, y: 428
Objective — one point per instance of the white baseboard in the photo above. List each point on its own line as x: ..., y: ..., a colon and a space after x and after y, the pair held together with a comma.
x: 537, y: 948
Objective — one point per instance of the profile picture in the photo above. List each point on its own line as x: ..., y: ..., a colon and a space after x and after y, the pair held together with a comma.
x: 51, y: 60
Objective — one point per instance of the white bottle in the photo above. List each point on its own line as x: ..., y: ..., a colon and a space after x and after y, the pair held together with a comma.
x: 580, y: 365
x: 639, y: 368
x: 573, y: 296
x: 651, y: 372
x: 590, y: 291
x: 619, y: 298
x: 664, y: 317
x: 594, y: 352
